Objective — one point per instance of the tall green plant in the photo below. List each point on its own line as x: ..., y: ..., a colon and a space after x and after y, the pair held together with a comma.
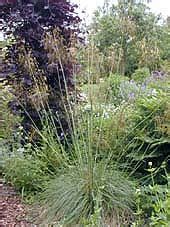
x: 87, y: 187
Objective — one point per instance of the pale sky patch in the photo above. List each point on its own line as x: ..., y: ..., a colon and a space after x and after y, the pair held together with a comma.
x: 1, y: 36
x: 157, y: 6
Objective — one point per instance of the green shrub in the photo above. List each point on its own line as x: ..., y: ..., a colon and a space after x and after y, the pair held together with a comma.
x: 150, y: 132
x: 159, y: 81
x: 140, y: 75
x: 121, y: 89
x: 151, y: 202
x: 114, y: 82
x: 27, y: 174
x: 7, y: 120
x: 166, y: 66
x: 7, y: 124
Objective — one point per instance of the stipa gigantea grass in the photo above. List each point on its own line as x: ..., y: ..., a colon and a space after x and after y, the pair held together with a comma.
x: 87, y: 186
x: 73, y: 196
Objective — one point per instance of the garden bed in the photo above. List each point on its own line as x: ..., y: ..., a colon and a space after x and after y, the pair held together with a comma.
x: 12, y: 210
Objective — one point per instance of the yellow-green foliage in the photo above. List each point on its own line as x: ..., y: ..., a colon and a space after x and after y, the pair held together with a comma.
x: 7, y: 119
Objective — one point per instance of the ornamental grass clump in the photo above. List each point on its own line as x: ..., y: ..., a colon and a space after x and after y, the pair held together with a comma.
x: 88, y: 188
x: 73, y: 197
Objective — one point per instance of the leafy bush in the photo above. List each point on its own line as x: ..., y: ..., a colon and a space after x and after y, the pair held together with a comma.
x: 152, y: 206
x: 130, y: 91
x: 159, y: 80
x: 140, y: 75
x: 134, y: 42
x: 151, y: 134
x: 114, y: 82
x: 166, y: 66
x: 27, y: 174
x: 7, y: 124
x: 121, y: 89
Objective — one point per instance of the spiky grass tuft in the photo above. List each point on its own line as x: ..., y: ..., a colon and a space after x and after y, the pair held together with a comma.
x: 75, y: 195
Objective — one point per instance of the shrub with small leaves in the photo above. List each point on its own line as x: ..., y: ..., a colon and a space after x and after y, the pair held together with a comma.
x: 27, y: 174
x: 140, y: 75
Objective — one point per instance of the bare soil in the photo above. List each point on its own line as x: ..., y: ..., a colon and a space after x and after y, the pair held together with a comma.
x: 12, y: 210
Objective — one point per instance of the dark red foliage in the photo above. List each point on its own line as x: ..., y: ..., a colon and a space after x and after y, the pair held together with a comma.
x: 28, y: 21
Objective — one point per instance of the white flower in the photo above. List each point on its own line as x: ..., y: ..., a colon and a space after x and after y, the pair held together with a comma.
x: 83, y: 97
x: 106, y: 115
x: 137, y: 190
x: 87, y: 107
x: 98, y: 115
x: 150, y: 164
x: 154, y: 92
x: 20, y: 128
x: 21, y: 150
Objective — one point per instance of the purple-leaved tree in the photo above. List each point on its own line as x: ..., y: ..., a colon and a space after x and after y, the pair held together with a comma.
x: 39, y: 63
